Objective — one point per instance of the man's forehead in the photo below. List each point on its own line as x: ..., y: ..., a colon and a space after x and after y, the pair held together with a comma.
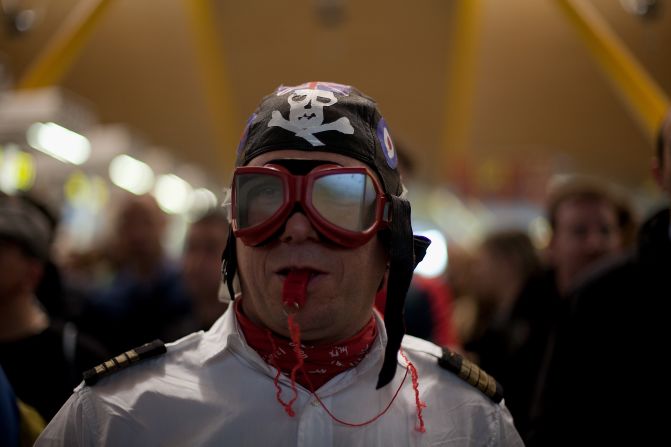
x: 587, y: 204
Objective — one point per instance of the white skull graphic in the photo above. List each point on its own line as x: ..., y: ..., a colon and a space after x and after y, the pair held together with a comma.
x: 306, y: 116
x: 307, y: 107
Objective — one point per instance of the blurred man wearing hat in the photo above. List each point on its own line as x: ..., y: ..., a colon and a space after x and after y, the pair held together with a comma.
x: 319, y: 225
x: 42, y: 358
x: 618, y: 330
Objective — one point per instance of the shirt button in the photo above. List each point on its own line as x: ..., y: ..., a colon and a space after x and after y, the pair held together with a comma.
x: 315, y: 403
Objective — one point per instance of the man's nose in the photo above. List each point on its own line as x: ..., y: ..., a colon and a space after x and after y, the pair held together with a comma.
x: 298, y: 229
x: 308, y: 105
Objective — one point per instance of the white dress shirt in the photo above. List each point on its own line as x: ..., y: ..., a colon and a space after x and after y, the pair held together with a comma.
x: 212, y: 389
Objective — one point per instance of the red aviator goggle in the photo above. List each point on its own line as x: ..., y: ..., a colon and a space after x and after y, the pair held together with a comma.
x: 346, y: 205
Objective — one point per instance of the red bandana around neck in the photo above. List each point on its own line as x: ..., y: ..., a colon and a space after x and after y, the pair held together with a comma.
x: 321, y: 362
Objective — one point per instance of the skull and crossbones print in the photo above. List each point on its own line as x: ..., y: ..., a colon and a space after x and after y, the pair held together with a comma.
x: 306, y: 116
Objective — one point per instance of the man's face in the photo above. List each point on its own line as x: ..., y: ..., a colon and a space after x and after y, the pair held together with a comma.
x: 339, y: 298
x: 586, y: 231
x: 140, y: 228
x: 201, y: 260
x: 490, y: 272
x: 19, y: 273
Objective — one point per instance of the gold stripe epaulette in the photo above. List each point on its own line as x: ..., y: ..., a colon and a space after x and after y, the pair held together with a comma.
x: 471, y: 373
x: 151, y: 349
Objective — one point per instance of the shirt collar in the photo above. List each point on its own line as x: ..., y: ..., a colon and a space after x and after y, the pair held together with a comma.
x: 221, y: 335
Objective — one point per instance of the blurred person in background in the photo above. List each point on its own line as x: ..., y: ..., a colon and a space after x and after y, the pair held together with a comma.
x: 20, y: 424
x: 508, y: 338
x: 429, y: 311
x: 51, y: 290
x: 459, y: 276
x: 201, y: 265
x: 42, y: 357
x: 429, y: 303
x: 590, y: 222
x: 139, y: 294
x: 504, y: 262
x: 605, y: 380
x: 9, y: 414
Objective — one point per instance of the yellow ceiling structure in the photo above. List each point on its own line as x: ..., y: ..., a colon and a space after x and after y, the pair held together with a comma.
x: 469, y: 86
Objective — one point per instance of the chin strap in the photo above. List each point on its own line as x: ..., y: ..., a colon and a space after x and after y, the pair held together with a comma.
x: 229, y: 264
x: 405, y: 253
x: 420, y: 244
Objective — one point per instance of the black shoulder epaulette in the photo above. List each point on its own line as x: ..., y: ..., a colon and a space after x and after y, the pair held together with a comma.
x: 151, y: 349
x: 471, y: 373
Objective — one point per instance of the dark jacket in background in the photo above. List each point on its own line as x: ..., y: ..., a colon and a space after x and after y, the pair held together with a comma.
x: 513, y: 350
x: 607, y: 381
x: 44, y: 368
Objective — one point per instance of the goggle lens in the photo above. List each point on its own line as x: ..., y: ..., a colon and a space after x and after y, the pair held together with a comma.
x: 259, y: 198
x: 345, y: 200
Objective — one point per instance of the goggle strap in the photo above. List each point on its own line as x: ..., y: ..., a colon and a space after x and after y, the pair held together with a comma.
x: 401, y: 266
x: 386, y: 212
x: 229, y: 265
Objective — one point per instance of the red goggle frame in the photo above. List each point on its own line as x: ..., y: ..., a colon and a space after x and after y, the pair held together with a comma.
x: 347, y: 205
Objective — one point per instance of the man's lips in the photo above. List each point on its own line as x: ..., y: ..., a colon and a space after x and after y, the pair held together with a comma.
x: 312, y: 272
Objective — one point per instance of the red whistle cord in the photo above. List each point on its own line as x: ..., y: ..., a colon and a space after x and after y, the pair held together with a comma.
x: 294, y: 293
x: 288, y: 406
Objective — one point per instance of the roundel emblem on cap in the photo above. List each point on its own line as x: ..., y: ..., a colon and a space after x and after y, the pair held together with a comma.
x: 386, y: 143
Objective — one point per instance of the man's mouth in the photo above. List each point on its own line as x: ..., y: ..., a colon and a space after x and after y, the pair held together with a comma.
x: 295, y: 283
x: 312, y: 273
x: 305, y: 115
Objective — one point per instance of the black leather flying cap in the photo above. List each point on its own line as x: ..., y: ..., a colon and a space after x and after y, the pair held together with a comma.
x: 323, y: 116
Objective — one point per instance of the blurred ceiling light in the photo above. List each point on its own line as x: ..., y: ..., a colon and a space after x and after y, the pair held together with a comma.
x: 24, y: 20
x: 173, y: 194
x: 21, y: 16
x: 59, y: 142
x: 202, y: 201
x: 435, y: 261
x: 17, y: 169
x: 130, y: 174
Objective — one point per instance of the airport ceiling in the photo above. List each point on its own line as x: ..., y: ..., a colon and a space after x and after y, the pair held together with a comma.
x: 469, y: 87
